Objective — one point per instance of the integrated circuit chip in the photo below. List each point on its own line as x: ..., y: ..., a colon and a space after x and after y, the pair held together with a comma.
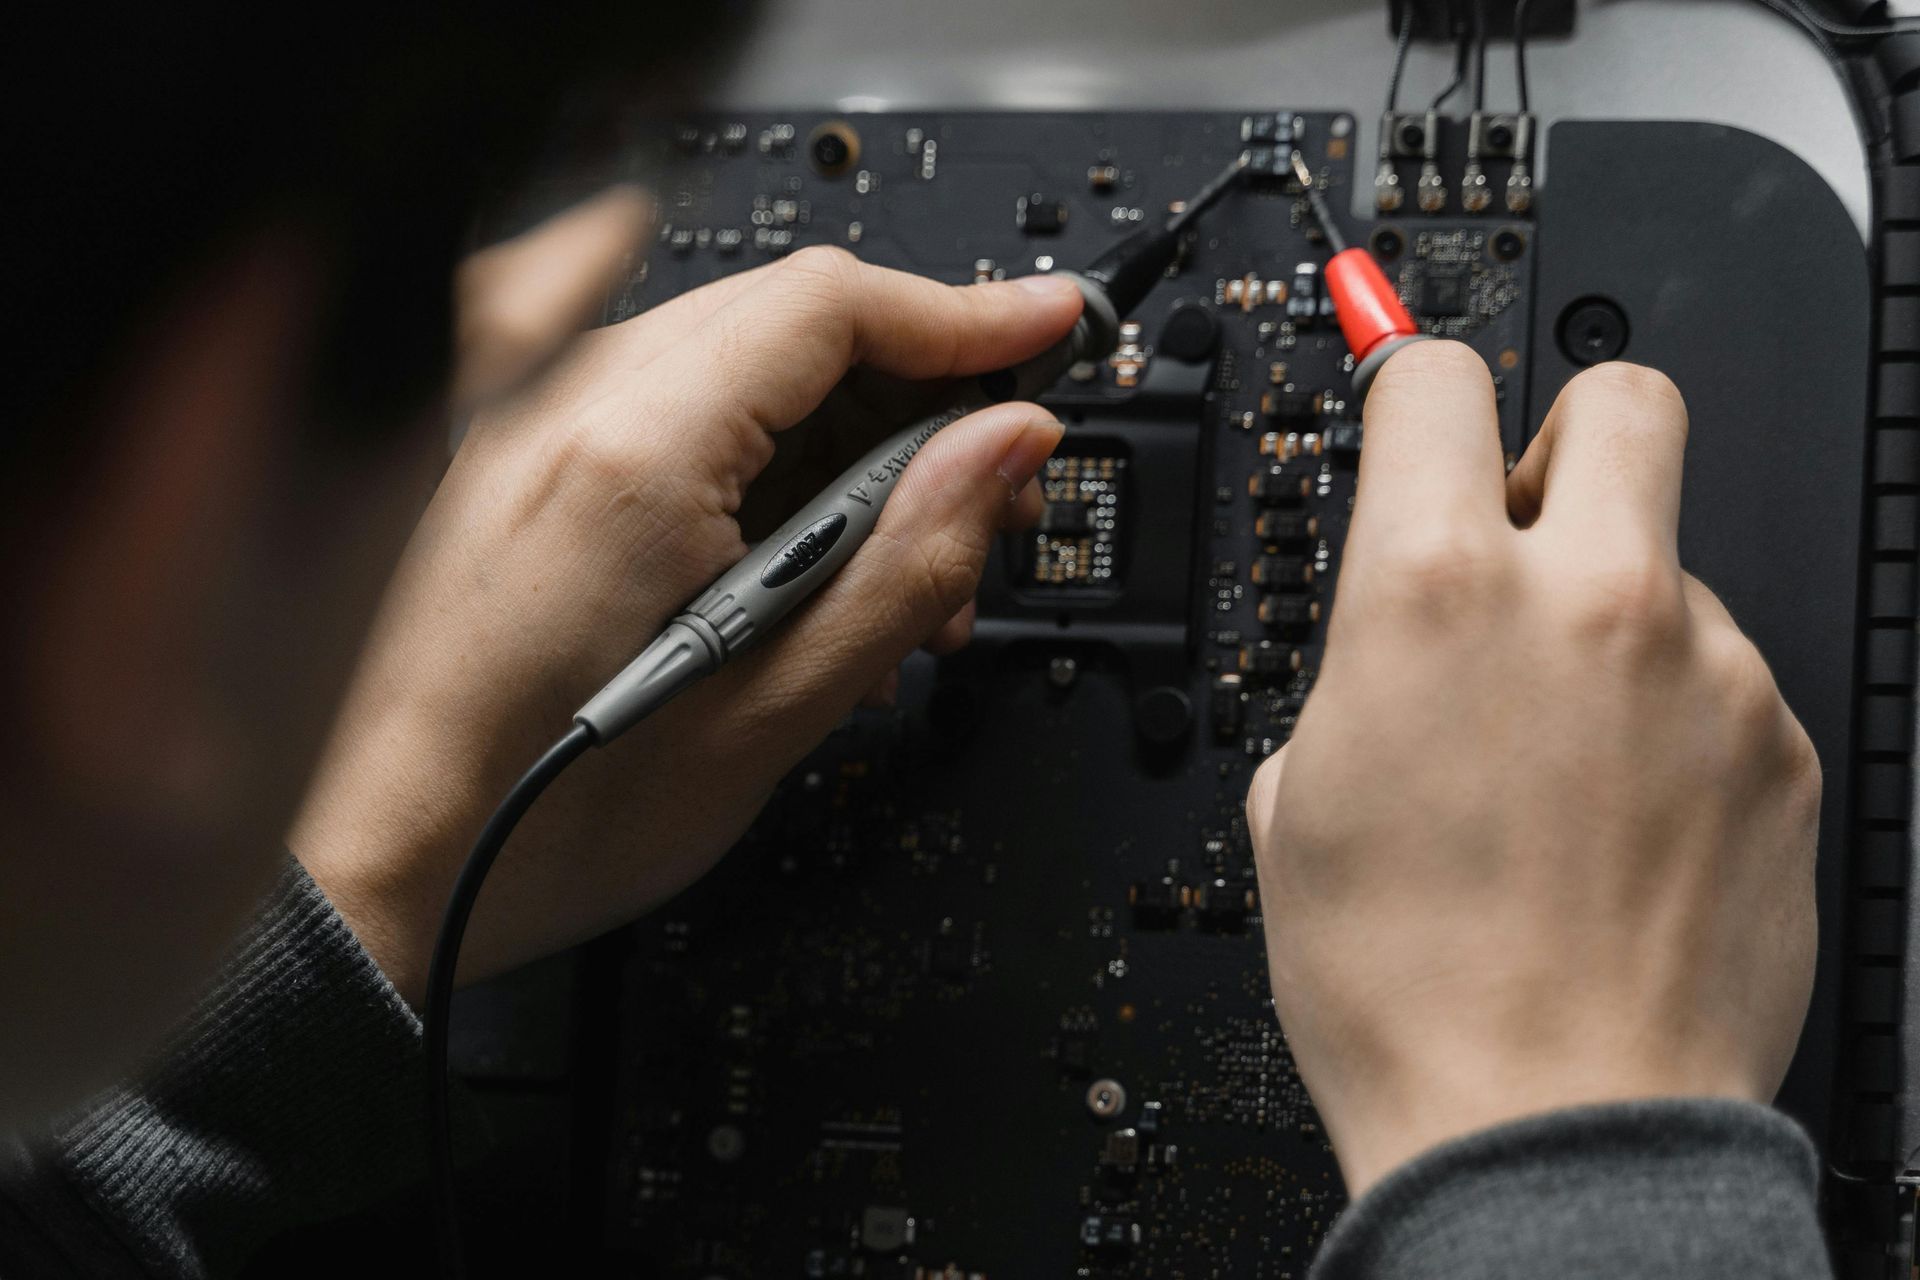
x: 1444, y: 293
x: 1076, y: 545
x: 1039, y: 214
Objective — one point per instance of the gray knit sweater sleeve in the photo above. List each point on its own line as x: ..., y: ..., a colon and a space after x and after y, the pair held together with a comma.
x: 291, y: 1095
x: 1680, y: 1189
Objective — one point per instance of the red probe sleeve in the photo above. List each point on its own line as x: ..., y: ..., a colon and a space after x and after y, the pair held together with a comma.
x: 1367, y: 306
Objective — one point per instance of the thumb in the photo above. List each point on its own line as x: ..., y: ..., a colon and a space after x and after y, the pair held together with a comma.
x: 921, y: 565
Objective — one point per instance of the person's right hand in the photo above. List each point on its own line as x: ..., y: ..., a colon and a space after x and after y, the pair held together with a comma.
x: 1545, y: 834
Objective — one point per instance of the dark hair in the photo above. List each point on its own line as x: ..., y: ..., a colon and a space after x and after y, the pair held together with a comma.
x: 145, y: 139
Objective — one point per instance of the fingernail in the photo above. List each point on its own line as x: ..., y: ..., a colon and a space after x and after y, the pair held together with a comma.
x: 1028, y: 452
x: 1048, y: 286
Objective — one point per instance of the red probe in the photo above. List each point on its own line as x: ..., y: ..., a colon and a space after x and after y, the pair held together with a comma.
x: 1372, y: 318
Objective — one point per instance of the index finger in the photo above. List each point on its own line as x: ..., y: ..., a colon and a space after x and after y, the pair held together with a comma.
x: 1606, y: 465
x: 1432, y: 451
x: 772, y: 354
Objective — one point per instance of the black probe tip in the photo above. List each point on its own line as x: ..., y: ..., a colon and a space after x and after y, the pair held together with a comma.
x: 1318, y: 203
x: 1129, y: 270
x: 1206, y: 197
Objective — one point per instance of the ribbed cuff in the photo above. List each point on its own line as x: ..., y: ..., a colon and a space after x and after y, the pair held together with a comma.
x: 293, y: 1094
x: 1700, y: 1189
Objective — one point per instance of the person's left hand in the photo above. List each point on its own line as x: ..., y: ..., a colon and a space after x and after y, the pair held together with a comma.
x: 582, y: 514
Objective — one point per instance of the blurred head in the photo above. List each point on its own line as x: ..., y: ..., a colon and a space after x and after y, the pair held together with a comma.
x: 231, y: 247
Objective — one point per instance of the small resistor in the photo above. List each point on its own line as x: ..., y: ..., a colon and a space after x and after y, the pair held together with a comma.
x: 1279, y: 485
x: 1282, y: 573
x: 1286, y: 529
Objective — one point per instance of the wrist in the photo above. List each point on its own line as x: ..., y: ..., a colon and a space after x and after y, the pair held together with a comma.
x: 382, y: 832
x: 1611, y: 1187
x: 1381, y: 1126
x: 390, y: 935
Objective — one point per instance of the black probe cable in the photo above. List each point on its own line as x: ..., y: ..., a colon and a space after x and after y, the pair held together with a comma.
x: 1520, y: 51
x: 1479, y: 54
x: 440, y: 973
x: 1460, y: 51
x: 1401, y: 41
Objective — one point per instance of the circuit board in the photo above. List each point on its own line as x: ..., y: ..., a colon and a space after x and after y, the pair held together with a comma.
x: 983, y: 993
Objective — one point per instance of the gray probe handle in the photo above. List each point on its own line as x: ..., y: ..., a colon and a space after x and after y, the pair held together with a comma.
x: 746, y: 601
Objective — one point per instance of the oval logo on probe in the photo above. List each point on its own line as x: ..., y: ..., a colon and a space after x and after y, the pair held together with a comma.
x: 803, y: 550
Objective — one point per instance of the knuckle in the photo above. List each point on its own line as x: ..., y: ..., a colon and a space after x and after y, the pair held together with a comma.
x: 1637, y: 602
x: 748, y: 382
x: 1263, y: 796
x: 1805, y: 779
x: 1650, y: 395
x: 596, y: 461
x: 935, y: 573
x: 824, y: 266
x: 1439, y: 572
x: 1745, y: 686
x: 819, y: 292
x: 594, y: 471
x: 952, y: 566
x: 641, y: 493
x: 1752, y: 700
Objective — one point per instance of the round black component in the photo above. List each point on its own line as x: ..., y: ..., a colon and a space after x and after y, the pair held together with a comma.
x: 1162, y: 715
x: 1386, y: 243
x: 1190, y: 332
x: 1593, y: 330
x: 830, y: 151
x: 1413, y: 136
x: 833, y: 147
x: 1507, y: 244
x: 1500, y: 136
